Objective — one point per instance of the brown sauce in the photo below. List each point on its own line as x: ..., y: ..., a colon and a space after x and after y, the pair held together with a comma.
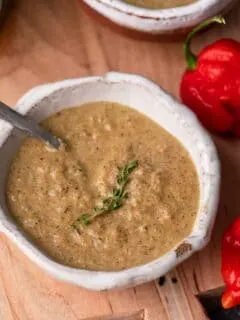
x: 47, y: 191
x: 159, y: 4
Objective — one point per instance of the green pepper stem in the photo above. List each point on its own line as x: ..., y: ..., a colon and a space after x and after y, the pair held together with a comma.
x: 190, y: 57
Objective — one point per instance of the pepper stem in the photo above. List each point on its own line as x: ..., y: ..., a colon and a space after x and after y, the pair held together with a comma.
x: 190, y: 57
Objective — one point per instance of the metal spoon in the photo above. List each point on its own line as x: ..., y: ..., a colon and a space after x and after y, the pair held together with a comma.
x: 28, y: 126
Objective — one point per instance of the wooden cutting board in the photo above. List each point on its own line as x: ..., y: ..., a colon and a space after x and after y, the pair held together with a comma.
x: 49, y: 40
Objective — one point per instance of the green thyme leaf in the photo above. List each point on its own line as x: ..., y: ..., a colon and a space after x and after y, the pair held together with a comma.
x: 115, y: 200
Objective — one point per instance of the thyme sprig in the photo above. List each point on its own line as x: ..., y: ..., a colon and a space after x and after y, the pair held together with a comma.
x: 115, y: 200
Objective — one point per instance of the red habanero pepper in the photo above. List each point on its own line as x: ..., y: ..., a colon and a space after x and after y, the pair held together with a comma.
x: 211, y: 85
x: 231, y: 265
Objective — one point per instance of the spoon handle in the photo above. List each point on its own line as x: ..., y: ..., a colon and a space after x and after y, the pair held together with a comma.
x: 26, y: 125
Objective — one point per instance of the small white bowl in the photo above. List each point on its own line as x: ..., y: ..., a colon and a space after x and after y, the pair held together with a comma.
x: 146, y: 97
x: 158, y: 21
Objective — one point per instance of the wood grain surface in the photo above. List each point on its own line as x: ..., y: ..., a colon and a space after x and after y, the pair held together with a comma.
x: 49, y: 40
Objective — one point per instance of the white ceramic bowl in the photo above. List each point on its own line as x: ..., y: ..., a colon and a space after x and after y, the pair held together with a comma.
x: 146, y: 97
x: 160, y: 21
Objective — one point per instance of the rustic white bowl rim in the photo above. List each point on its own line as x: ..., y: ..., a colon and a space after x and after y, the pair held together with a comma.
x: 158, y: 21
x: 211, y: 181
x: 185, y: 10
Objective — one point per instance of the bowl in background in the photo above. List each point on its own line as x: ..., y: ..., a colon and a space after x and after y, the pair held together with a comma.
x: 146, y: 23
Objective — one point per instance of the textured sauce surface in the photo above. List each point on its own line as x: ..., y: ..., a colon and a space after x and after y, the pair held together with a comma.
x: 159, y: 4
x: 47, y: 190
